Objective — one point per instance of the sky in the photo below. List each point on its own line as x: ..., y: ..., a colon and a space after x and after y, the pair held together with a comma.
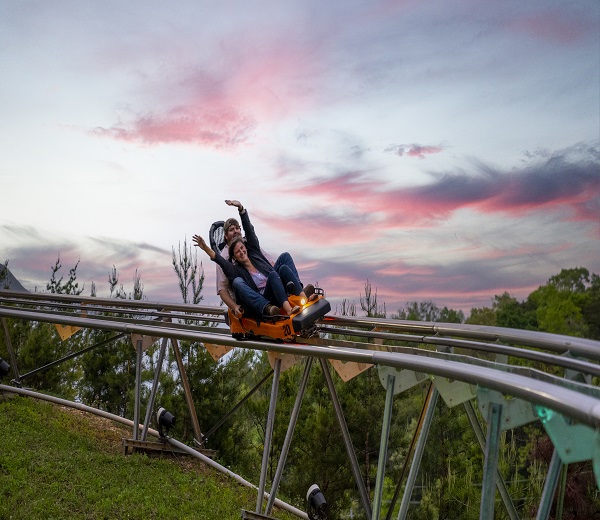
x: 440, y: 151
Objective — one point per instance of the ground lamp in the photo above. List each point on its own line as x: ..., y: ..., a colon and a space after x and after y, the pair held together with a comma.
x: 316, y: 503
x: 165, y: 420
x: 4, y: 368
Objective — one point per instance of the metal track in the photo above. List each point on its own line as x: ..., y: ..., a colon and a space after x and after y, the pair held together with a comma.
x: 489, y: 358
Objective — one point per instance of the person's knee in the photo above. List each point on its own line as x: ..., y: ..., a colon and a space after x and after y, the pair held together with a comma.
x: 238, y: 282
x: 273, y: 276
x: 285, y: 272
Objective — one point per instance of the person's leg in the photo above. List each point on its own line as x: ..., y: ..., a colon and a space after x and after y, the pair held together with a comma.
x: 275, y: 292
x: 249, y: 298
x: 287, y: 275
x: 287, y: 260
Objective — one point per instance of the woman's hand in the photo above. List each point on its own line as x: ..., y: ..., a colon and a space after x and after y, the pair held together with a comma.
x: 235, y: 203
x: 199, y: 242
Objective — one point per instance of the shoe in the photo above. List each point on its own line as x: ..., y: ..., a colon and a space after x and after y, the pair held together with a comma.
x: 289, y: 288
x: 309, y: 290
x: 271, y: 310
x: 295, y: 310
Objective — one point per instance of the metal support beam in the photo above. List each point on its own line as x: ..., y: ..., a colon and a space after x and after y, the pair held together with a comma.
x: 138, y: 384
x: 419, y: 448
x: 490, y: 464
x: 187, y: 391
x: 157, y: 371
x: 268, y: 435
x: 288, y: 437
x: 364, y: 495
x: 11, y: 352
x: 72, y: 355
x: 550, y: 484
x: 508, y: 503
x: 409, y: 452
x: 383, y: 446
x: 235, y: 408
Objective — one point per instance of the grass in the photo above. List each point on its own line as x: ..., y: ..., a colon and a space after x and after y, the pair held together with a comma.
x: 60, y: 463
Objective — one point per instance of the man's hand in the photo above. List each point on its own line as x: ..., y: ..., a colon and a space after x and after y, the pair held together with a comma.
x: 238, y: 311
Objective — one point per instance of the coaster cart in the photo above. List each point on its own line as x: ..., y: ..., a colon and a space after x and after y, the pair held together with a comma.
x: 281, y: 327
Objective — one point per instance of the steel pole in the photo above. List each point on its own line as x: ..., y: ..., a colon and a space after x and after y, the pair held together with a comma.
x: 268, y: 434
x: 288, y: 437
x: 419, y: 448
x: 157, y: 371
x: 490, y: 464
x: 364, y: 495
x: 383, y: 446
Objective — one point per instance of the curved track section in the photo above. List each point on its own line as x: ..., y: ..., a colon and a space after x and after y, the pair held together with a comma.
x: 465, y: 363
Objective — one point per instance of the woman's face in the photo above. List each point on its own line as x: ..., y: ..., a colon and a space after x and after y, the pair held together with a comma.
x: 240, y: 253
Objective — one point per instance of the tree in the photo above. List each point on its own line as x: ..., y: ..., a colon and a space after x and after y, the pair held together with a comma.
x: 57, y: 286
x: 428, y: 311
x: 559, y: 304
x: 188, y: 273
x: 108, y: 373
x: 369, y: 304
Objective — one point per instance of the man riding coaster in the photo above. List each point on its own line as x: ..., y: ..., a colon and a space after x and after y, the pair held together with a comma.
x: 260, y: 285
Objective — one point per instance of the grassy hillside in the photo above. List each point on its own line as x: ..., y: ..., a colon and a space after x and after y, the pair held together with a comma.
x: 60, y: 463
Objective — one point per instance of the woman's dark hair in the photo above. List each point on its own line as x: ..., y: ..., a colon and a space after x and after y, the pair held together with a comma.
x: 234, y: 243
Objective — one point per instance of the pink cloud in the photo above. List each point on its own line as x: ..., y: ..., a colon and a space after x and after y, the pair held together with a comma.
x: 214, y: 128
x: 252, y: 83
x: 557, y: 185
x: 413, y: 150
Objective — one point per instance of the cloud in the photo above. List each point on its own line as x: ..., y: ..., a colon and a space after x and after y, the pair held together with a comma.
x: 224, y: 128
x: 413, y: 150
x: 566, y: 182
x: 555, y: 26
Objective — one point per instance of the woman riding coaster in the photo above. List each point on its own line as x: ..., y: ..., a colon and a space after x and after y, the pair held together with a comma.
x: 260, y: 286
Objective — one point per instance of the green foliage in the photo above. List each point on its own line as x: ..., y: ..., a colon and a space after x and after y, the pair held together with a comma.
x: 559, y: 304
x: 185, y: 265
x: 428, y: 311
x: 369, y: 304
x: 71, y: 286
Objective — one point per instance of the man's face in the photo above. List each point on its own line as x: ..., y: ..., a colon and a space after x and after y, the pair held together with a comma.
x: 232, y: 232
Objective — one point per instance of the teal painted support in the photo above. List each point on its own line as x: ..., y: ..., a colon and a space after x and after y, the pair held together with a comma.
x: 385, y: 433
x: 268, y: 435
x: 549, y: 487
x: 574, y: 442
x: 500, y: 484
x: 416, y: 462
x: 288, y: 436
x: 490, y: 466
x: 596, y: 458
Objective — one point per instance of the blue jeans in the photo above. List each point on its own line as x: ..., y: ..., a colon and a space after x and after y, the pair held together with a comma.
x: 287, y: 272
x: 256, y: 302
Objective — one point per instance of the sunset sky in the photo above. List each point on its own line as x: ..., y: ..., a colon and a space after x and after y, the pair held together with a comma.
x: 444, y: 151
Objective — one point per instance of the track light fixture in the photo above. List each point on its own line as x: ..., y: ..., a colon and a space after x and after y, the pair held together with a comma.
x: 4, y: 368
x: 317, y: 504
x: 166, y: 420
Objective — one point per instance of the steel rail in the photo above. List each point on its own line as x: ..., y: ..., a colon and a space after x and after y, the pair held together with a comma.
x: 579, y: 347
x: 571, y: 403
x: 195, y: 311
